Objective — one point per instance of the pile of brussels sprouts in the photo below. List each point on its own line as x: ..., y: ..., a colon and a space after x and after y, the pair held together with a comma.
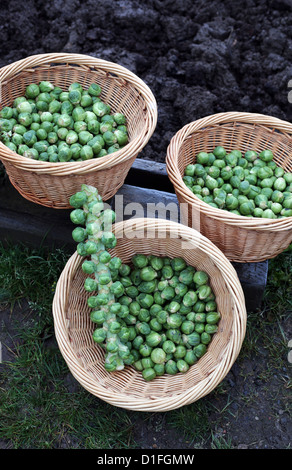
x: 157, y: 314
x: 50, y: 124
x: 251, y: 185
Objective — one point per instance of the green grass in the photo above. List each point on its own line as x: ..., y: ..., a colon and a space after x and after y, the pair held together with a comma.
x: 40, y: 405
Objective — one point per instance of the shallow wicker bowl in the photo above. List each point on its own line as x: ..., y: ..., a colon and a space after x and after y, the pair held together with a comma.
x: 241, y: 239
x: 52, y: 184
x: 126, y: 388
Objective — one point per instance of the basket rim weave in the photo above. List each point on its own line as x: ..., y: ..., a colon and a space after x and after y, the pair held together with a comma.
x: 190, y: 129
x: 87, y: 63
x: 189, y: 395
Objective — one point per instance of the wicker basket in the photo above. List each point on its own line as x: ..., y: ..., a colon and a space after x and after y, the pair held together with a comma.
x: 241, y: 239
x: 126, y: 388
x: 52, y: 184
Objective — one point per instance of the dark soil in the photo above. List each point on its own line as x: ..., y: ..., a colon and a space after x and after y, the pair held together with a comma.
x: 198, y: 57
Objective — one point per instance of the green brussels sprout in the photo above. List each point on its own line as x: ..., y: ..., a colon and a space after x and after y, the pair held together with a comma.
x: 187, y: 327
x: 200, y: 350
x: 182, y: 366
x: 171, y: 367
x: 178, y: 264
x: 99, y: 335
x: 280, y: 184
x: 100, y: 109
x: 173, y: 306
x: 174, y: 335
x: 174, y: 321
x: 140, y: 261
x: 288, y: 177
x: 266, y: 155
x: 144, y: 315
x: 190, y: 357
x: 162, y: 316
x: 202, y: 158
x: 190, y: 298
x: 168, y: 347
x: 75, y: 96
x: 98, y: 316
x: 64, y: 154
x: 79, y: 234
x: 199, y: 328
x: 148, y: 374
x: 78, y: 217
x: 93, y: 127
x: 119, y: 118
x: 86, y: 153
x: 45, y: 87
x: 153, y: 339
x: 29, y: 138
x: 25, y: 119
x: 158, y: 355
x: 287, y: 203
x: 200, y: 278
x: 94, y: 89
x: 159, y: 369
x: 219, y: 151
x: 90, y: 285
x: 88, y: 267
x: 211, y: 183
x: 213, y: 317
x: 145, y: 300
x: 145, y: 350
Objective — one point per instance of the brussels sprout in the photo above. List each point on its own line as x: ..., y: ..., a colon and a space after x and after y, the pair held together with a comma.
x: 148, y: 374
x: 266, y: 155
x: 145, y: 300
x: 174, y: 321
x: 171, y: 367
x: 190, y: 358
x: 140, y: 260
x: 182, y: 366
x: 174, y: 335
x: 94, y: 89
x: 93, y: 127
x: 86, y: 152
x: 178, y: 264
x: 64, y: 154
x: 288, y: 177
x: 158, y: 355
x: 144, y: 314
x: 119, y: 118
x: 202, y: 158
x: 200, y: 350
x: 168, y: 347
x: 190, y: 298
x: 219, y: 151
x: 100, y: 109
x: 29, y: 138
x: 99, y: 335
x: 287, y: 203
x: 187, y: 327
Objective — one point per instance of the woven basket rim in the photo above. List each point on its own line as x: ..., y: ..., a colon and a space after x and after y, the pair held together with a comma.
x: 190, y: 129
x: 155, y: 403
x: 87, y: 62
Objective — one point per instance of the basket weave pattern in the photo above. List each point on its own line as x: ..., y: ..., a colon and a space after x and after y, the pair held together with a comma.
x: 242, y: 239
x: 51, y: 184
x: 127, y: 389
